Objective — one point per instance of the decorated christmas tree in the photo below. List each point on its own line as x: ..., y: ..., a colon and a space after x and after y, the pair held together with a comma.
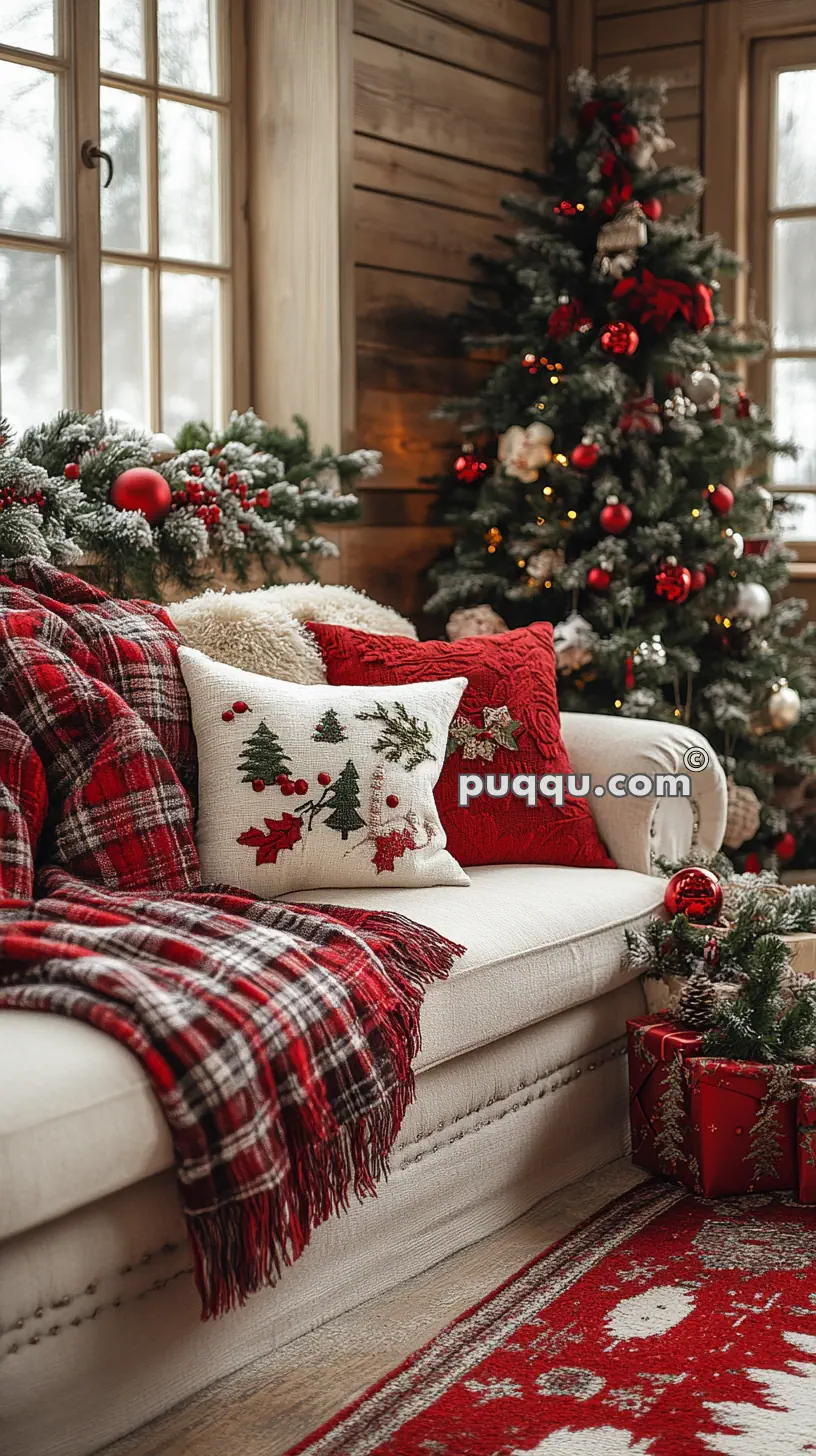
x: 613, y: 476
x: 329, y: 729
x: 138, y: 511
x: 262, y: 758
x: 344, y: 801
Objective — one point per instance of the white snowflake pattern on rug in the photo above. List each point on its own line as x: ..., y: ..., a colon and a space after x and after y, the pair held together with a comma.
x: 492, y: 1389
x: 755, y: 1246
x: 570, y: 1380
x: 592, y: 1441
x: 652, y: 1313
x: 786, y: 1426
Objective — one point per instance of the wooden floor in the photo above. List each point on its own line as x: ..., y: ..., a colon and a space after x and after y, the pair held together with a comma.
x: 265, y: 1408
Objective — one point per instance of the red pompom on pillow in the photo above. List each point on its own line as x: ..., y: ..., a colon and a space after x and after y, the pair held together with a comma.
x: 507, y: 723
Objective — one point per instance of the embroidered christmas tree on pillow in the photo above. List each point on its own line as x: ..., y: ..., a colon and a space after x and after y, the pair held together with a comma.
x: 318, y: 787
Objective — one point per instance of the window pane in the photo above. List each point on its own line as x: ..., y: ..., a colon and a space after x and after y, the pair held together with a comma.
x: 121, y: 37
x: 796, y: 156
x: 794, y: 282
x: 794, y: 390
x: 29, y: 24
x: 125, y: 352
x: 124, y: 203
x: 801, y: 526
x: 189, y: 221
x: 191, y: 349
x: 30, y: 337
x: 28, y: 149
x: 187, y: 44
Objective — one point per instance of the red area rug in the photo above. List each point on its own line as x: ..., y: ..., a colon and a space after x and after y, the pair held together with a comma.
x: 668, y: 1325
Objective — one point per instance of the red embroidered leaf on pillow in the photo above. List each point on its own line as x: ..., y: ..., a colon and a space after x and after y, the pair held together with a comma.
x: 282, y: 834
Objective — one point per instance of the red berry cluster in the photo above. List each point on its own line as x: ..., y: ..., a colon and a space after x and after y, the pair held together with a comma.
x: 239, y: 707
x: 10, y: 496
x: 195, y: 493
x: 289, y: 786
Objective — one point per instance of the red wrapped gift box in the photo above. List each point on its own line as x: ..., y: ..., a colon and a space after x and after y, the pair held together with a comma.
x: 806, y: 1141
x: 716, y: 1125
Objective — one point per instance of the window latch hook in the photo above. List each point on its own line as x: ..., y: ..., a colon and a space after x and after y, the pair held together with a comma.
x: 93, y: 155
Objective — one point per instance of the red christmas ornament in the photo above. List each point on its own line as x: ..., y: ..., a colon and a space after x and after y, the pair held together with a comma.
x: 702, y: 312
x: 598, y: 578
x: 620, y: 338
x: 698, y: 579
x: 71, y: 471
x: 673, y: 581
x: 630, y: 674
x: 616, y: 517
x: 652, y: 208
x: 469, y: 467
x: 391, y: 800
x: 757, y: 545
x: 785, y: 848
x: 568, y: 318
x: 743, y: 410
x: 753, y: 865
x: 627, y: 136
x: 584, y: 456
x: 142, y: 490
x: 695, y: 893
x: 721, y: 500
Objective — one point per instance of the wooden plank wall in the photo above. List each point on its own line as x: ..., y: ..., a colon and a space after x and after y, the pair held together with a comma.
x: 451, y: 101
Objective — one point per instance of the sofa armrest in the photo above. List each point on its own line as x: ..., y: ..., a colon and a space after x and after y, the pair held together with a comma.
x: 637, y: 831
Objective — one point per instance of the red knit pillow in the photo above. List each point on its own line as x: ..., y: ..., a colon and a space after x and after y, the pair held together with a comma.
x: 514, y: 671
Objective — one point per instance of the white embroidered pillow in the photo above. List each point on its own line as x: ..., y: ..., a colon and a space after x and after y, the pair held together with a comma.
x: 318, y: 787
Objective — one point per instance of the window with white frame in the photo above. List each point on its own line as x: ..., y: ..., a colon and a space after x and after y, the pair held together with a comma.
x: 783, y: 244
x: 149, y: 81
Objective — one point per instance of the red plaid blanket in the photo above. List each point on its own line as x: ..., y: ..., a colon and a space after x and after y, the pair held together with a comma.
x: 278, y: 1038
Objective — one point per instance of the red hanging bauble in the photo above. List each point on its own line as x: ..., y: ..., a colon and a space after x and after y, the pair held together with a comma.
x: 721, y: 499
x: 627, y: 135
x: 141, y: 489
x: 652, y: 208
x: 698, y: 579
x: 695, y: 893
x: 584, y: 456
x: 598, y: 578
x: 616, y: 517
x: 619, y: 338
x: 71, y: 471
x: 753, y: 864
x: 785, y: 848
x: 673, y: 581
x: 469, y: 467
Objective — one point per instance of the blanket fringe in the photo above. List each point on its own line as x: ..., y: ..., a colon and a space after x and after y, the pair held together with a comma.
x: 243, y: 1246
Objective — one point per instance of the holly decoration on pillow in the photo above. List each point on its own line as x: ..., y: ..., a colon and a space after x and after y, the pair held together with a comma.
x: 329, y: 729
x: 499, y: 729
x: 262, y: 757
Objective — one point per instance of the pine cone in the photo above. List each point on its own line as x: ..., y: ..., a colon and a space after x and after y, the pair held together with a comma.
x: 698, y: 1003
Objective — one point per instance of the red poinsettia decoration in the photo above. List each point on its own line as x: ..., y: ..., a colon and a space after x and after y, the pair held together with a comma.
x: 281, y: 834
x: 566, y: 319
x: 390, y: 847
x: 659, y: 300
x: 619, y: 184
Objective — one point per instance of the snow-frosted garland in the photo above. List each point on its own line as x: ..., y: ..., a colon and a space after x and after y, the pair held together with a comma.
x: 249, y: 493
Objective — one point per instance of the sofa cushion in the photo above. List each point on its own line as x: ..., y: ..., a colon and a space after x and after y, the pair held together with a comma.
x: 79, y: 1121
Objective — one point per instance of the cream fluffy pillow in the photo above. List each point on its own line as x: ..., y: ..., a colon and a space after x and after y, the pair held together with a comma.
x: 304, y: 787
x: 262, y: 630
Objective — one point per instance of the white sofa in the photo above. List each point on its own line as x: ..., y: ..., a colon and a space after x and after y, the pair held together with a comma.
x: 521, y: 1089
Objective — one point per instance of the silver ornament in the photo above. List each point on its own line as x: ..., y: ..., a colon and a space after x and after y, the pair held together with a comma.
x: 702, y: 388
x: 753, y: 603
x: 474, y: 622
x: 651, y: 652
x: 573, y: 640
x: 784, y: 705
